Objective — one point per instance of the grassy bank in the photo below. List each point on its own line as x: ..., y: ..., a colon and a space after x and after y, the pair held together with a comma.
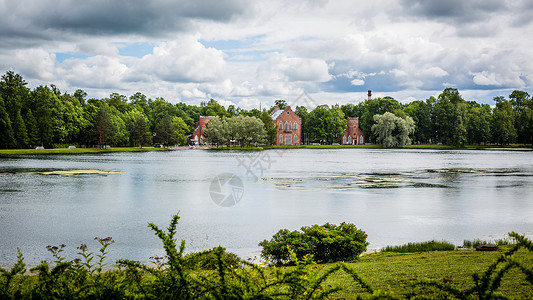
x: 75, y: 151
x: 395, y: 272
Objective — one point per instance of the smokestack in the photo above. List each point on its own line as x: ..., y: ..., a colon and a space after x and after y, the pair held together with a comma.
x: 369, y: 94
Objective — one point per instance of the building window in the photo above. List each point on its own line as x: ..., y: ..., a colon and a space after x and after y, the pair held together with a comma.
x: 344, y: 139
x: 280, y: 139
x: 290, y: 126
x: 280, y: 125
x: 361, y: 140
x: 295, y: 126
x: 349, y: 140
x: 286, y: 126
x: 295, y: 139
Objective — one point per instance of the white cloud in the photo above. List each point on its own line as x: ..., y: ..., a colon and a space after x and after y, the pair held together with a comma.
x: 357, y: 82
x: 485, y: 78
x: 181, y: 60
x: 35, y: 63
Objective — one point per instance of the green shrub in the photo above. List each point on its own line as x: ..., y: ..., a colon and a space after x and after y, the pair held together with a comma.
x: 421, y: 247
x: 479, y: 242
x: 324, y: 243
x: 207, y: 260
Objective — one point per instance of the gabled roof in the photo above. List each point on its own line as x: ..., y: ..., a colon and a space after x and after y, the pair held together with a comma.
x: 276, y: 114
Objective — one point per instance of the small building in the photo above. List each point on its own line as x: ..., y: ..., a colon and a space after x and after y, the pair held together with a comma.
x: 289, y: 126
x: 353, y: 134
x: 198, y: 136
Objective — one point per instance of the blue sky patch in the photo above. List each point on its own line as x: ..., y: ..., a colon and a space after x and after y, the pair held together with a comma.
x: 135, y: 49
x: 61, y: 57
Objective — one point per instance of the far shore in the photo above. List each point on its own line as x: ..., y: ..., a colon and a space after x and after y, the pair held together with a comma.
x: 513, y: 147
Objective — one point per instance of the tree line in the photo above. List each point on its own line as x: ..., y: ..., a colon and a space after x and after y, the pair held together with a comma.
x: 47, y: 117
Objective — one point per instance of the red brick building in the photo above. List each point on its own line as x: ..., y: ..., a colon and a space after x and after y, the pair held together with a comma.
x: 289, y: 126
x: 353, y: 134
x: 198, y: 135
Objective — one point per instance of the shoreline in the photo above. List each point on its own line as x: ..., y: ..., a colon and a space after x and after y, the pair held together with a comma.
x: 9, y: 152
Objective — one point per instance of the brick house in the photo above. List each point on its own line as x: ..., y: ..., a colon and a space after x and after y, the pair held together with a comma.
x: 198, y: 136
x: 353, y: 134
x: 289, y: 126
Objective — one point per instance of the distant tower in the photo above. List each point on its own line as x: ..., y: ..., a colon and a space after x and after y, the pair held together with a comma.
x: 369, y: 94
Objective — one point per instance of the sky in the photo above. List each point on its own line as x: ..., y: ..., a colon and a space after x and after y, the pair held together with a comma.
x: 249, y: 53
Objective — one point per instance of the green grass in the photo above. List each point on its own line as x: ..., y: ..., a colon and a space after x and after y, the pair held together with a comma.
x: 420, y: 247
x: 75, y: 151
x: 396, y: 272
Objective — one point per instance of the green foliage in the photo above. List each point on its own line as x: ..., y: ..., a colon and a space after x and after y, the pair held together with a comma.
x: 207, y: 260
x: 323, y: 243
x: 245, y: 130
x: 479, y: 242
x: 420, y: 247
x: 177, y: 277
x: 392, y: 131
x: 503, y: 124
x: 325, y: 124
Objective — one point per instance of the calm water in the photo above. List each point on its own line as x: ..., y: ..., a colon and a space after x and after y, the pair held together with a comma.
x: 396, y: 196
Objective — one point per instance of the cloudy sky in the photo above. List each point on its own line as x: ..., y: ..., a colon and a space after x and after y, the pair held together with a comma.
x: 247, y: 52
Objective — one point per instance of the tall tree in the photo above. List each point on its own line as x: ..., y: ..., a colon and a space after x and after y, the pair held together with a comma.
x: 420, y: 111
x: 15, y: 93
x: 393, y: 131
x: 7, y: 139
x: 141, y: 134
x: 270, y: 128
x: 326, y: 124
x: 181, y: 130
x: 31, y: 127
x: 451, y: 116
x: 165, y: 133
x: 503, y: 130
x: 104, y: 126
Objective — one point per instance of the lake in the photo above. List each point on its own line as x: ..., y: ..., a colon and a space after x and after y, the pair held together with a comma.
x: 237, y: 199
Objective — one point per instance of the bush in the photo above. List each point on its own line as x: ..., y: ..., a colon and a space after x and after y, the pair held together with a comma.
x: 478, y: 242
x: 324, y: 243
x: 421, y: 247
x: 207, y: 260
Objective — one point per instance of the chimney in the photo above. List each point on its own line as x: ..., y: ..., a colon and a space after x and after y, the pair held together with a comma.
x: 369, y: 94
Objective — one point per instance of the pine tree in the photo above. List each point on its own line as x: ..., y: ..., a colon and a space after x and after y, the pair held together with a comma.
x: 20, y: 129
x: 6, y: 131
x: 141, y: 136
x: 31, y: 128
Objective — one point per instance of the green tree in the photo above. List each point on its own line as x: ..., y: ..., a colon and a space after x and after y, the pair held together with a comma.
x: 20, y: 127
x: 280, y: 103
x: 165, y: 132
x: 451, y: 117
x: 212, y: 108
x: 393, y: 131
x: 7, y: 139
x: 15, y: 94
x: 141, y: 134
x: 216, y: 131
x: 181, y: 130
x: 479, y: 124
x: 376, y: 106
x: 521, y: 102
x: 326, y: 124
x: 301, y: 111
x: 420, y: 111
x: 31, y: 127
x: 270, y: 129
x: 104, y: 126
x: 503, y: 130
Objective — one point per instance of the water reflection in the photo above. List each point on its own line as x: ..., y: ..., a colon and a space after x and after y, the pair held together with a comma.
x: 396, y: 196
